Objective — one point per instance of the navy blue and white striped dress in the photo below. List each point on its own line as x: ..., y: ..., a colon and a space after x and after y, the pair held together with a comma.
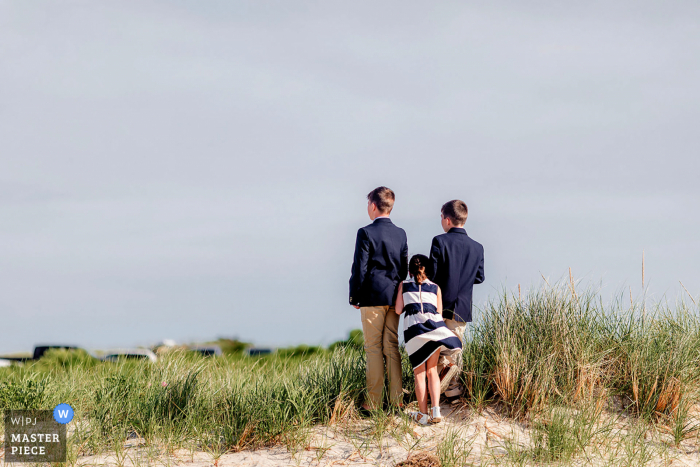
x: 424, y: 331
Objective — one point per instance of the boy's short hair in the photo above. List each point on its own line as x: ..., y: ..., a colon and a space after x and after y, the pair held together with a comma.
x: 383, y: 198
x: 456, y: 211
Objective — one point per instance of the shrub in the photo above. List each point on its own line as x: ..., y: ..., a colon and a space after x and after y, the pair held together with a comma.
x: 299, y: 351
x: 355, y: 340
x: 66, y: 358
x: 232, y: 346
x: 23, y: 394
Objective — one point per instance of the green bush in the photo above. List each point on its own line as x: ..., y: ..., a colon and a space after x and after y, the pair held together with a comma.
x: 355, y: 340
x: 231, y: 346
x: 23, y: 394
x: 66, y: 358
x: 299, y: 351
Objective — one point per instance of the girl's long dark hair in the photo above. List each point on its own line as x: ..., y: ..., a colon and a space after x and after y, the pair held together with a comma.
x: 417, y: 267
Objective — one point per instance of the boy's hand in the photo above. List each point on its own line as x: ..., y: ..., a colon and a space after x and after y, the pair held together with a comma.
x: 356, y: 307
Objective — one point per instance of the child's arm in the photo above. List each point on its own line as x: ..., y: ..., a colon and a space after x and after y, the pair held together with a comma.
x: 439, y: 301
x: 399, y: 299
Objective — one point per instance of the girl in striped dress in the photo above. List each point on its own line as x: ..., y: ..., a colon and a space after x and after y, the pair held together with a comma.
x: 425, y: 334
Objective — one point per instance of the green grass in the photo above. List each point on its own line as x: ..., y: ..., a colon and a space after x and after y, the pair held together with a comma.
x: 556, y: 360
x: 454, y: 449
x: 226, y: 402
x: 556, y: 347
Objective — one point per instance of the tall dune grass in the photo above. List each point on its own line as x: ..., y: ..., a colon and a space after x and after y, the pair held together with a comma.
x: 550, y: 353
x: 224, y: 403
x: 555, y: 346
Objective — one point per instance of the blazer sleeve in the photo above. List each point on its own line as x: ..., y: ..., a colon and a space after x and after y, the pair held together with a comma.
x: 403, y: 270
x: 359, y: 266
x: 435, y: 259
x: 480, y: 277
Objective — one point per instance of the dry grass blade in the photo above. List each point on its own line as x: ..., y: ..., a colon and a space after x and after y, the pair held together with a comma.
x: 571, y: 283
x: 686, y: 291
x: 669, y: 397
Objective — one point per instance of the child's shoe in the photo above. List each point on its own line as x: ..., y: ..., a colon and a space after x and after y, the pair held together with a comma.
x: 435, y: 416
x: 419, y: 417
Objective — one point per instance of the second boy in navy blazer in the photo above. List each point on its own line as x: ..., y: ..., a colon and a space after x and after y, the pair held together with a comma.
x: 458, y: 264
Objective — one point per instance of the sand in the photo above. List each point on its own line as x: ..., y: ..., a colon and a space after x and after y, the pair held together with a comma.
x: 484, y: 435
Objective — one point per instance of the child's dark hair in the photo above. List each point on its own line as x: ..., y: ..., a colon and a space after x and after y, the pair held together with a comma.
x: 417, y: 267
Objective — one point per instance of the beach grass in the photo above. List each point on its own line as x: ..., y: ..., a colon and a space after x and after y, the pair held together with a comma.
x: 555, y: 347
x: 588, y: 379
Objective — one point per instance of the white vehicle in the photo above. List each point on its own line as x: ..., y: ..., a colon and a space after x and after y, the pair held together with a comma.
x: 129, y: 354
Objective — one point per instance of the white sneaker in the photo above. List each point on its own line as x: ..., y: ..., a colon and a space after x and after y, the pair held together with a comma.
x: 435, y: 417
x: 419, y: 417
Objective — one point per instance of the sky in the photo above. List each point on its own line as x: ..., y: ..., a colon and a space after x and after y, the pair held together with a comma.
x: 192, y: 170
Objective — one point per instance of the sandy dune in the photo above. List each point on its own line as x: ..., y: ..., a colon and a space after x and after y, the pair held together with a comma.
x: 386, y: 443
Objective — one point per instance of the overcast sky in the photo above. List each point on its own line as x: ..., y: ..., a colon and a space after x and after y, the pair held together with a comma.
x: 190, y: 170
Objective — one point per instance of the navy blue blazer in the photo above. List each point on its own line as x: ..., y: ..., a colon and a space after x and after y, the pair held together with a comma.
x: 380, y: 263
x: 457, y: 264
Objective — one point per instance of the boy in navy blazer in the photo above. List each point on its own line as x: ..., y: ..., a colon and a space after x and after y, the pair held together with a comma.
x: 380, y: 263
x: 457, y: 264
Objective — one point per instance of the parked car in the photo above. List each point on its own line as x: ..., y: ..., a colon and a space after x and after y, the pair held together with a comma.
x: 207, y: 350
x: 129, y: 354
x: 255, y: 352
x: 39, y: 352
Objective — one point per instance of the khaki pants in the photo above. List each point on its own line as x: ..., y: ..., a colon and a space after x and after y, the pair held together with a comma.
x: 455, y: 358
x: 380, y: 325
